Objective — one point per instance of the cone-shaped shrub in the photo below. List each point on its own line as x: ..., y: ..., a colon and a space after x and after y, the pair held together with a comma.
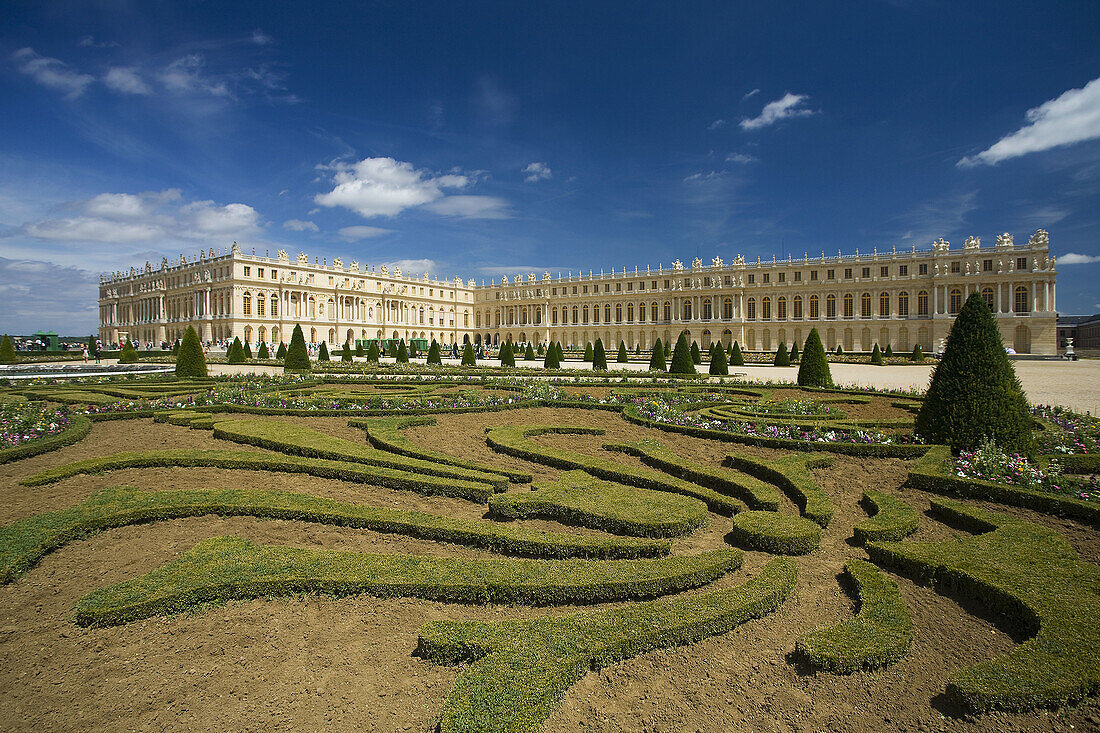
x: 345, y: 353
x: 402, y: 353
x: 235, y: 353
x: 189, y: 360
x: 280, y: 353
x: 839, y: 350
x: 507, y: 358
x: 696, y: 355
x: 322, y: 352
x: 91, y: 346
x: 588, y: 351
x: 468, y: 358
x: 668, y: 350
x: 373, y: 352
x: 889, y: 352
x: 599, y: 357
x: 261, y: 353
x: 176, y: 346
x: 918, y: 354
x: 814, y: 371
x: 682, y: 363
x: 876, y: 356
x: 657, y: 360
x: 718, y: 365
x: 736, y: 357
x: 359, y: 348
x: 552, y: 360
x: 529, y: 355
x: 622, y: 357
x: 297, y: 358
x: 541, y: 350
x: 7, y: 351
x: 782, y: 358
x: 129, y: 354
x: 794, y: 352
x: 433, y: 353
x: 974, y: 393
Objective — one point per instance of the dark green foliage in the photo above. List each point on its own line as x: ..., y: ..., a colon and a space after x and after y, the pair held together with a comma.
x: 529, y: 354
x: 668, y: 350
x: 889, y: 352
x: 588, y: 352
x: 814, y: 370
x: 359, y: 348
x: 7, y: 351
x: 92, y: 349
x: 975, y: 393
x: 779, y: 534
x: 718, y: 365
x: 561, y: 352
x: 622, y: 357
x: 190, y: 361
x: 433, y: 354
x: 129, y: 354
x: 346, y: 352
x: 261, y: 353
x: 682, y: 363
x: 235, y: 353
x: 838, y: 350
x: 696, y: 356
x: 280, y: 354
x: 468, y: 358
x: 322, y: 352
x: 402, y: 353
x: 892, y: 518
x: 373, y: 352
x: 794, y: 352
x: 917, y: 355
x: 737, y: 358
x: 297, y: 358
x: 876, y: 356
x: 175, y: 346
x: 782, y: 358
x: 542, y: 350
x: 791, y: 473
x: 657, y: 360
x: 507, y: 359
x: 551, y: 360
x: 599, y: 357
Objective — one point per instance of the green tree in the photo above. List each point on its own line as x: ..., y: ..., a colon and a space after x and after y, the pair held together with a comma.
x: 468, y: 358
x: 529, y: 355
x: 623, y: 357
x: 128, y: 354
x: 176, y: 346
x: 433, y: 354
x: 696, y: 355
x: 599, y: 357
x: 235, y: 354
x: 588, y: 354
x: 359, y: 347
x: 542, y: 350
x: 814, y: 371
x: 322, y: 353
x: 297, y: 358
x: 839, y: 350
x: 373, y: 354
x: 345, y: 351
x: 280, y: 354
x: 668, y: 350
x: 737, y: 358
x: 917, y: 355
x: 261, y: 353
x: 551, y: 359
x: 975, y: 394
x: 782, y: 358
x: 91, y: 346
x: 682, y: 362
x: 876, y: 356
x: 794, y: 352
x: 657, y: 359
x: 889, y: 352
x: 402, y: 352
x: 718, y: 365
x: 190, y: 361
x: 7, y: 351
x: 507, y: 358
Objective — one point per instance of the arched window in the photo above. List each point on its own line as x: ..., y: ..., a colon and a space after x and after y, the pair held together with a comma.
x: 849, y: 301
x: 1021, y: 300
x: 687, y: 310
x: 630, y: 313
x: 798, y: 307
x: 884, y: 305
x: 707, y: 311
x: 727, y: 308
x: 246, y: 304
x: 653, y: 313
x: 922, y: 303
x: 260, y: 304
x: 575, y: 312
x: 830, y: 306
x: 584, y: 314
x: 751, y: 309
x: 274, y: 307
x: 865, y: 305
x: 766, y: 309
x: 814, y: 309
x: 619, y: 313
x: 607, y: 313
x: 903, y: 304
x: 781, y: 308
x: 595, y: 314
x: 987, y: 296
x: 955, y: 301
x: 668, y: 310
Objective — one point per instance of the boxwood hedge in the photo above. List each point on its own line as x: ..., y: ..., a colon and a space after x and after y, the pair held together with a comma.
x: 892, y: 518
x: 779, y: 534
x: 792, y: 474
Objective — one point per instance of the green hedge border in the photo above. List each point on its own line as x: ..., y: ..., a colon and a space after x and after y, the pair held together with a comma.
x: 792, y: 475
x: 891, y: 519
x: 779, y: 534
x: 77, y: 430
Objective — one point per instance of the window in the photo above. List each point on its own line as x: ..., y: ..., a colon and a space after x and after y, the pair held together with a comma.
x: 259, y: 272
x: 706, y: 282
x: 727, y: 308
x: 247, y: 271
x: 1021, y: 263
x: 607, y: 313
x: 274, y: 274
x: 618, y: 312
x: 956, y: 268
x: 246, y: 304
x: 553, y: 317
x: 767, y: 277
x: 781, y: 308
x: 687, y: 310
x: 922, y: 302
x: 884, y: 305
x: 813, y: 308
x: 629, y: 287
x: 595, y: 314
x: 553, y: 291
x: 903, y: 304
x: 903, y: 270
x: 987, y: 265
x: 629, y: 312
x: 752, y: 309
x: 586, y: 290
x: 576, y: 312
x: 865, y: 305
x: 766, y: 309
x: 666, y: 284
x: 259, y: 305
x: 607, y: 287
x: 849, y: 302
x: 641, y: 313
x: 1021, y: 300
x: 274, y: 307
x: 752, y: 278
x: 830, y: 274
x: 884, y: 271
x: 955, y: 301
x: 668, y: 310
x: 987, y: 296
x: 584, y: 315
x: 866, y: 272
x: 830, y: 306
x: 923, y: 269
x: 847, y: 273
x: 653, y: 311
x: 813, y: 275
x: 798, y: 307
x: 782, y: 277
x: 707, y: 312
x: 654, y: 284
x: 798, y: 277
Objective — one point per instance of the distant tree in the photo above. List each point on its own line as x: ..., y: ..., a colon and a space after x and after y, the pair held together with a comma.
x: 794, y: 352
x: 696, y: 355
x: 7, y: 351
x: 551, y: 360
x: 322, y: 352
x: 782, y: 358
x: 468, y: 358
x: 889, y: 352
x: 262, y: 353
x: 297, y: 358
x: 529, y: 355
x: 359, y: 347
x: 657, y: 359
x: 92, y: 347
x: 507, y: 358
x: 129, y: 354
x: 622, y: 357
x: 433, y: 354
x: 233, y: 355
x: 280, y: 353
x: 247, y: 349
x: 346, y: 352
x: 402, y: 353
x: 917, y: 355
x: 839, y: 350
x: 814, y: 369
x: 876, y: 356
x: 588, y: 354
x: 681, y: 358
x: 542, y: 350
x: 736, y: 357
x: 599, y: 357
x: 718, y: 365
x: 190, y: 361
x: 668, y: 349
x: 176, y: 346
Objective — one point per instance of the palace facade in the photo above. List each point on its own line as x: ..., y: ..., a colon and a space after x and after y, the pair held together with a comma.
x: 855, y: 301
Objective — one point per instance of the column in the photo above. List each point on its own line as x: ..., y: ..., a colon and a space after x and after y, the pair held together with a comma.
x: 999, y: 287
x: 935, y: 299
x: 1046, y: 296
x: 1053, y: 297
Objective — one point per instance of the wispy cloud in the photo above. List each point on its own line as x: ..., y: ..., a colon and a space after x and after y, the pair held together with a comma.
x: 1070, y: 118
x: 492, y: 104
x: 363, y: 232
x: 126, y: 81
x: 471, y: 207
x: 535, y: 172
x: 750, y: 95
x: 29, y: 289
x: 1072, y: 258
x: 298, y: 225
x: 740, y: 158
x: 717, y: 124
x: 415, y: 267
x: 786, y: 107
x: 51, y: 73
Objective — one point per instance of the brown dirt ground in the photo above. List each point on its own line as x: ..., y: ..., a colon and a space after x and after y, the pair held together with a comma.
x: 347, y: 664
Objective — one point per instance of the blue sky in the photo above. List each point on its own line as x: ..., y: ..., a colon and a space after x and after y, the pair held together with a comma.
x: 481, y: 139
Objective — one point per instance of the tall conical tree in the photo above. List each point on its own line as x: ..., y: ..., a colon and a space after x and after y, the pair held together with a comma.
x: 718, y: 365
x: 974, y: 393
x: 794, y: 352
x: 91, y: 346
x: 359, y: 347
x: 129, y: 354
x: 297, y: 358
x: 541, y: 350
x: 402, y: 353
x: 507, y: 358
x: 888, y: 352
x: 373, y: 352
x: 876, y: 356
x: 246, y: 349
x: 322, y: 352
x: 468, y: 358
x: 433, y: 354
x: 814, y: 369
x: 782, y: 358
x: 657, y: 359
x: 599, y: 357
x: 345, y: 353
x: 261, y: 353
x: 696, y: 355
x: 190, y: 361
x: 235, y: 353
x: 681, y: 358
x: 668, y: 350
x: 529, y: 355
x: 280, y: 353
x: 551, y: 359
x: 7, y: 351
x: 176, y: 346
x: 839, y: 350
x: 588, y: 352
x: 622, y: 357
x: 917, y: 355
x: 737, y: 358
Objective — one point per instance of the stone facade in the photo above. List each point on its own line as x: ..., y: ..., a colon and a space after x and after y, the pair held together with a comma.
x: 896, y: 298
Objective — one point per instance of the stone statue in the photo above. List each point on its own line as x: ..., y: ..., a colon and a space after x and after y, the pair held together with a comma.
x: 1039, y: 239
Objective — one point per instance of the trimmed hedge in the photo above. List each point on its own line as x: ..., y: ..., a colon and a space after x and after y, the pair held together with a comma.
x: 1033, y: 576
x: 79, y: 427
x: 880, y: 634
x: 517, y: 671
x: 515, y: 441
x: 892, y: 519
x: 388, y: 434
x: 579, y: 498
x: 755, y: 493
x: 253, y: 461
x: 933, y: 473
x: 792, y: 475
x: 299, y: 440
x: 779, y: 534
x: 25, y: 542
x: 230, y: 568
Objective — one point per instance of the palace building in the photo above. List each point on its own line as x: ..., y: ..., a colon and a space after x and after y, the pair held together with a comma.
x: 894, y: 298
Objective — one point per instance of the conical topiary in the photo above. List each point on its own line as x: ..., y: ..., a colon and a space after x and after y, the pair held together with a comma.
x: 668, y: 349
x: 622, y: 357
x: 129, y: 354
x: 529, y: 355
x: 359, y: 347
x: 248, y: 351
x: 280, y: 353
x: 345, y: 353
x: 737, y: 358
x: 373, y: 351
x: 814, y: 371
x: 234, y: 355
x: 917, y: 355
x: 262, y: 353
x: 322, y: 352
x: 599, y: 357
x: 588, y: 352
x: 794, y: 352
x: 696, y: 355
x: 718, y: 365
x: 782, y: 358
x: 889, y: 352
x: 681, y: 358
x: 433, y: 354
x: 657, y: 359
x: 975, y: 394
x: 876, y: 356
x: 7, y: 351
x: 297, y: 358
x: 839, y: 350
x: 402, y: 353
x: 176, y: 346
x: 190, y: 361
x: 507, y: 358
x: 468, y: 358
x: 91, y: 346
x: 541, y: 350
x: 551, y: 359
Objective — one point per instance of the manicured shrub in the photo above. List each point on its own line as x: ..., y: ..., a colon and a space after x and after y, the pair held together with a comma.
x: 507, y: 359
x: 322, y: 353
x: 529, y: 354
x: 434, y: 356
x: 175, y: 346
x: 668, y: 350
x: 736, y: 357
x: 791, y: 473
x: 588, y: 352
x: 599, y: 357
x: 373, y: 354
x: 917, y: 355
x: 359, y: 347
x: 190, y: 361
x: 551, y: 360
x: 718, y: 366
x: 876, y: 356
x: 682, y: 363
x: 839, y: 350
x: 814, y: 370
x: 974, y: 393
x: 622, y: 357
x: 129, y: 354
x: 402, y: 353
x: 889, y: 352
x: 468, y: 358
x: 892, y: 519
x: 235, y: 353
x: 346, y: 353
x: 657, y: 360
x: 782, y: 358
x: 696, y: 355
x: 297, y: 358
x: 280, y: 354
x: 779, y: 534
x: 794, y: 352
x: 541, y: 350
x: 7, y: 351
x: 261, y: 353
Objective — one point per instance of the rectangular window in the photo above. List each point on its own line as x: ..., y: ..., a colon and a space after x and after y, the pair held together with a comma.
x: 259, y: 272
x: 574, y: 290
x: 782, y: 277
x: 274, y: 274
x: 830, y: 275
x: 706, y: 282
x: 607, y: 287
x: 903, y: 270
x: 956, y: 268
x: 586, y: 290
x: 1021, y: 263
x: 259, y: 306
x: 923, y: 269
x: 330, y: 279
x: 629, y: 287
x: 798, y: 277
x: 726, y: 280
x: 813, y: 275
x: 884, y: 271
x: 247, y: 271
x: 654, y: 285
x: 666, y: 285
x: 866, y: 272
x: 752, y: 279
x: 847, y: 273
x: 987, y: 266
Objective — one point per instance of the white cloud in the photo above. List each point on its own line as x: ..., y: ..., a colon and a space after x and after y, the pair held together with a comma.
x: 299, y: 226
x: 1072, y: 258
x: 90, y: 42
x: 363, y: 232
x: 52, y: 73
x: 702, y: 177
x: 717, y: 124
x: 385, y: 187
x: 46, y: 295
x: 471, y: 207
x: 118, y: 206
x: 740, y: 158
x: 186, y: 75
x: 415, y: 267
x: 786, y: 107
x: 91, y: 229
x: 126, y: 81
x: 750, y: 95
x: 537, y: 172
x: 260, y: 38
x: 209, y: 219
x: 1070, y: 118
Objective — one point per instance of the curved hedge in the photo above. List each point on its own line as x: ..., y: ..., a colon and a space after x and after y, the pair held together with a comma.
x: 779, y: 534
x: 230, y: 568
x: 792, y: 475
x: 579, y: 498
x: 880, y: 634
x: 891, y: 520
x: 78, y: 429
x: 517, y: 671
